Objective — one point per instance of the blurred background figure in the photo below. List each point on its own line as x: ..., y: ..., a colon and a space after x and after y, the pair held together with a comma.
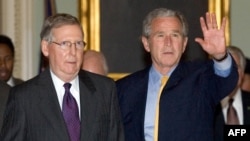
x: 4, y: 88
x: 7, y: 57
x: 240, y: 98
x: 246, y: 79
x: 94, y: 61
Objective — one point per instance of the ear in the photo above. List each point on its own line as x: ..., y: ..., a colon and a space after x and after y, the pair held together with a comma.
x: 185, y: 44
x: 145, y: 43
x: 45, y: 48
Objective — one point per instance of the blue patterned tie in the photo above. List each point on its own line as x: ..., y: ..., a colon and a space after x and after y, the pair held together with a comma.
x: 71, y: 114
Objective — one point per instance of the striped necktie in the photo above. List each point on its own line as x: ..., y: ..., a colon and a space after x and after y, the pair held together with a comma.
x: 71, y: 114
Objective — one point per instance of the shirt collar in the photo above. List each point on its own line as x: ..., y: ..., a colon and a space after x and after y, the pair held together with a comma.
x: 58, y: 83
x: 237, y: 99
x: 155, y: 76
x: 11, y: 81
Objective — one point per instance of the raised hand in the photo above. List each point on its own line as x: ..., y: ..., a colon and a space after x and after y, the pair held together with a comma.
x: 214, y: 42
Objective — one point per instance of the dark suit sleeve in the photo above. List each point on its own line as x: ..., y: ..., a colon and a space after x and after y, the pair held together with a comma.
x: 14, y: 119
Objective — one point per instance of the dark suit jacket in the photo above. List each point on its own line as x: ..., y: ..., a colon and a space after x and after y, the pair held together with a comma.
x: 17, y: 81
x: 187, y: 102
x: 33, y: 112
x: 219, y: 118
x: 4, y: 92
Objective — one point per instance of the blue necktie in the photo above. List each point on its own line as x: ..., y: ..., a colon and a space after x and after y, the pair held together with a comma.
x: 71, y: 114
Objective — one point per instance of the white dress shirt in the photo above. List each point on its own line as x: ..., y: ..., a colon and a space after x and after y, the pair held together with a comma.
x: 60, y: 90
x: 237, y: 104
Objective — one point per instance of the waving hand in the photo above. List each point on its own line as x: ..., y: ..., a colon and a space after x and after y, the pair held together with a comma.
x: 214, y: 42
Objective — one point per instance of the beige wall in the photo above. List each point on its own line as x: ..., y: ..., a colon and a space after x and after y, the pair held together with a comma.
x: 0, y: 16
x: 240, y: 25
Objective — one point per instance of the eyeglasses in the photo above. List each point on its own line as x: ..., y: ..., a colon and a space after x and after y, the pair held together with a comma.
x: 66, y: 45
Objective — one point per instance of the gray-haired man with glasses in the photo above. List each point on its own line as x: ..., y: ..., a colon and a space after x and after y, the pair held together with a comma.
x: 64, y: 102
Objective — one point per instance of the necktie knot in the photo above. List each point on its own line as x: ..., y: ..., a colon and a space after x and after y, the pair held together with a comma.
x: 164, y: 80
x: 230, y: 101
x: 67, y: 86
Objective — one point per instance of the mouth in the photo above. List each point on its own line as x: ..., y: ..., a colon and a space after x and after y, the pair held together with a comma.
x: 167, y: 53
x: 3, y: 73
x: 71, y: 62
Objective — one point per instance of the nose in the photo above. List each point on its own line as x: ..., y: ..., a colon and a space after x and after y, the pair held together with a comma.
x: 168, y: 40
x: 73, y: 48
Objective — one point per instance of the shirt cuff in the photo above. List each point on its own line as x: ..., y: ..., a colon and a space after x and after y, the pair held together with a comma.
x: 223, y: 68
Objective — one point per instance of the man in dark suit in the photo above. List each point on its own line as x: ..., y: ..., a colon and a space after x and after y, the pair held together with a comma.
x: 63, y: 103
x: 7, y: 57
x: 4, y: 88
x: 241, y: 99
x: 188, y: 100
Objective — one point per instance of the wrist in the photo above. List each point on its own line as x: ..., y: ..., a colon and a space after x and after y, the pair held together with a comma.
x: 221, y: 59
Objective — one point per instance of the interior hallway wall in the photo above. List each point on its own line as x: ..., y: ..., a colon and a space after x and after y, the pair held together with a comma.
x: 240, y: 25
x: 22, y: 21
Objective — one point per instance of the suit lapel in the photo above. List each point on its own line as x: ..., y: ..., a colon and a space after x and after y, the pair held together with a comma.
x: 137, y: 113
x: 175, y: 77
x: 88, y: 105
x: 246, y: 107
x: 49, y: 106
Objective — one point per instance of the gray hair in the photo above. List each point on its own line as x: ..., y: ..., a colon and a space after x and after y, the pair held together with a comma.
x: 237, y: 51
x: 163, y: 12
x: 56, y: 21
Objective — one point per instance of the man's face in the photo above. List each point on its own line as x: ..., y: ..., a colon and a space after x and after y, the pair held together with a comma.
x: 166, y: 42
x: 65, y: 63
x: 6, y: 62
